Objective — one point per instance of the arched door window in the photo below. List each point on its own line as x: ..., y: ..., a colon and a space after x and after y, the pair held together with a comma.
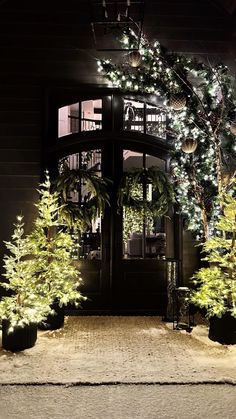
x: 79, y: 117
x: 143, y: 117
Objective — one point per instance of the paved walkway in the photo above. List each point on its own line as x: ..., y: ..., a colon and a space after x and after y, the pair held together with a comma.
x: 107, y: 350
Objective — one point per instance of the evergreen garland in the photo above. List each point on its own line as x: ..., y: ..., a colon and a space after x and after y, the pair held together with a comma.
x: 209, y: 113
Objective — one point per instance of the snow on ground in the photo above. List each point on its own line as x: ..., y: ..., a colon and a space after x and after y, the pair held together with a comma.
x: 118, y: 402
x: 121, y: 349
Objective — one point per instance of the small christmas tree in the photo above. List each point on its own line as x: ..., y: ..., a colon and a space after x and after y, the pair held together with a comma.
x: 216, y: 284
x: 24, y: 306
x: 57, y: 277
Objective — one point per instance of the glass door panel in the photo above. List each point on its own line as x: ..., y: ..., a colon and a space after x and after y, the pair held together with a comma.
x: 88, y: 239
x: 143, y: 233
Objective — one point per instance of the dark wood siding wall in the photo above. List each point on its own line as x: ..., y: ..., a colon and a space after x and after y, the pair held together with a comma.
x: 20, y: 153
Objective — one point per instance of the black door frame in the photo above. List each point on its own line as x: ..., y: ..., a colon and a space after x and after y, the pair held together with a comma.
x: 112, y: 145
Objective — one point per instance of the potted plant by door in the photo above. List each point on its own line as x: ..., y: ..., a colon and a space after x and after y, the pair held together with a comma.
x: 23, y: 308
x: 216, y: 284
x: 52, y: 245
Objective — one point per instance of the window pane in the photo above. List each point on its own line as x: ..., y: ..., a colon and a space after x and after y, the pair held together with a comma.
x: 133, y: 115
x: 155, y: 241
x: 155, y: 121
x: 155, y: 162
x: 91, y: 115
x: 132, y: 221
x: 88, y: 240
x: 68, y: 120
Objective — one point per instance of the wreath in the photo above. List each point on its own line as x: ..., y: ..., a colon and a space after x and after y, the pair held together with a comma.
x: 79, y: 214
x: 162, y: 192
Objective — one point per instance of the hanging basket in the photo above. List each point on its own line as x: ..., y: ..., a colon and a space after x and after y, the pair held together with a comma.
x: 189, y: 145
x: 134, y: 58
x: 177, y: 101
x: 22, y: 337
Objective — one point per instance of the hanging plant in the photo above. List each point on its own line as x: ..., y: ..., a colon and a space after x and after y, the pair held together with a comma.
x: 161, y: 187
x: 79, y: 214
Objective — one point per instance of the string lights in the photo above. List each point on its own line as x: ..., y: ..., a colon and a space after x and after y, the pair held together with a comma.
x: 206, y: 116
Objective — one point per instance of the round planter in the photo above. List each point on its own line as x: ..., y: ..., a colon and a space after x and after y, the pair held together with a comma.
x: 53, y: 321
x: 21, y: 338
x: 223, y: 330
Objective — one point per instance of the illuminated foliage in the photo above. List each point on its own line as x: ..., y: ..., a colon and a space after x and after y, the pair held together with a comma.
x: 200, y: 103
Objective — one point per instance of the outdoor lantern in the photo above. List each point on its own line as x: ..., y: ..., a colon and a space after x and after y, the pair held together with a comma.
x: 189, y: 145
x: 171, y: 283
x: 182, y: 318
x: 134, y: 58
x: 177, y: 101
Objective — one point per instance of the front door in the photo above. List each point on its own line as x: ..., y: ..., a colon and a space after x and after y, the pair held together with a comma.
x: 123, y: 256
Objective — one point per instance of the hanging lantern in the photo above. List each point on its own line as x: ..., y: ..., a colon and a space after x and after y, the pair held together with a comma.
x: 189, y: 145
x: 233, y: 127
x: 177, y: 101
x: 134, y: 58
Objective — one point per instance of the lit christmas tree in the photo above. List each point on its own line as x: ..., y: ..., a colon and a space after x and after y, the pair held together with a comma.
x: 51, y: 244
x: 216, y: 285
x: 200, y: 104
x: 24, y: 305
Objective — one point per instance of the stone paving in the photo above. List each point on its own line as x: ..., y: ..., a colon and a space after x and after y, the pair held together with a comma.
x: 110, y: 349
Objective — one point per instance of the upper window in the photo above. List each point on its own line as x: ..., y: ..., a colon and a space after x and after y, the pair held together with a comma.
x: 143, y: 117
x: 80, y: 116
x: 133, y: 115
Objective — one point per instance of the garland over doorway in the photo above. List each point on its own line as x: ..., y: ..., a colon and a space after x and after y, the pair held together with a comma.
x: 200, y: 101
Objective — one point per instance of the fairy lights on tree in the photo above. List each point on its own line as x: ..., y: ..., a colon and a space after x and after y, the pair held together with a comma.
x: 200, y: 103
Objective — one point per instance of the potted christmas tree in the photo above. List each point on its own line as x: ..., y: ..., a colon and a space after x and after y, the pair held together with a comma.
x: 23, y: 308
x: 51, y: 244
x: 216, y: 284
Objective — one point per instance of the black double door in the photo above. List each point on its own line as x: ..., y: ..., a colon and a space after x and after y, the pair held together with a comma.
x: 120, y: 280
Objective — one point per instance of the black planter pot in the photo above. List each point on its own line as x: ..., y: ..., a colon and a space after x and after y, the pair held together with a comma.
x: 21, y: 338
x: 53, y: 321
x: 223, y: 330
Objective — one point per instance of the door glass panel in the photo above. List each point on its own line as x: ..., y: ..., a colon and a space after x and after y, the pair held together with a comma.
x: 91, y: 115
x: 88, y: 240
x: 155, y: 121
x: 133, y: 115
x: 68, y: 120
x: 143, y: 233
